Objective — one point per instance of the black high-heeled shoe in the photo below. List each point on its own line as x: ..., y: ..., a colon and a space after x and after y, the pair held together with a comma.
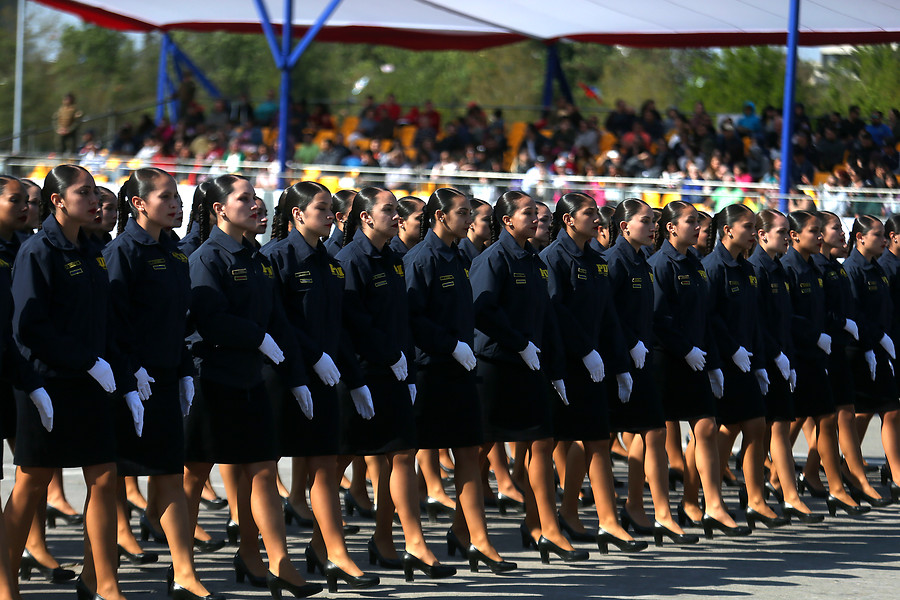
x: 895, y: 492
x: 505, y: 503
x: 528, y: 542
x: 497, y: 567
x: 771, y: 490
x: 210, y: 545
x: 679, y: 539
x: 313, y: 561
x: 742, y: 498
x: 545, y: 547
x: 350, y: 529
x: 683, y: 519
x: 794, y: 513
x: 233, y: 531
x: 834, y: 504
x: 277, y: 585
x: 148, y: 531
x: 141, y: 558
x: 454, y: 544
x: 217, y: 504
x: 586, y: 497
x: 333, y: 573
x: 181, y: 593
x: 730, y: 480
x: 859, y: 496
x: 83, y: 592
x: 709, y: 523
x: 242, y: 571
x: 52, y: 574
x: 291, y: 514
x: 131, y: 507
x: 54, y: 513
x: 436, y: 571
x: 804, y: 484
x: 605, y: 538
x: 350, y: 505
x: 754, y: 517
x: 675, y: 476
x: 376, y: 558
x: 575, y: 536
x: 626, y: 521
x: 885, y: 473
x: 434, y: 508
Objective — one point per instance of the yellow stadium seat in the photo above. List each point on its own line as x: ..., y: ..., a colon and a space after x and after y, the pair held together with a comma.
x: 669, y: 197
x: 607, y: 141
x: 331, y: 182
x: 323, y: 134
x: 407, y: 134
x: 652, y: 198
x: 349, y: 125
x: 821, y: 177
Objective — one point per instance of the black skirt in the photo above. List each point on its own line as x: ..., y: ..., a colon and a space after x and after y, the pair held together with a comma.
x: 448, y: 409
x: 83, y: 426
x: 742, y: 399
x: 779, y: 401
x: 391, y: 429
x: 160, y: 449
x: 644, y: 410
x: 873, y: 396
x: 686, y: 394
x: 7, y: 411
x: 516, y: 403
x: 230, y: 425
x: 813, y: 396
x: 840, y: 377
x: 586, y: 418
x: 319, y: 436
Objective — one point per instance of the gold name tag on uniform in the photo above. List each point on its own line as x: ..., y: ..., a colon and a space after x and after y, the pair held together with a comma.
x: 157, y: 264
x: 636, y: 283
x: 303, y: 277
x: 379, y: 280
x: 684, y: 280
x: 239, y: 274
x: 581, y: 273
x: 74, y: 268
x: 519, y: 278
x: 447, y: 281
x: 873, y: 286
x: 805, y: 288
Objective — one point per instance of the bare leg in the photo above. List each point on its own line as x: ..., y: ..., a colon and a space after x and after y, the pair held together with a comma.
x: 195, y: 476
x: 600, y: 473
x: 327, y: 510
x: 231, y: 476
x: 37, y: 537
x: 403, y: 493
x: 166, y: 494
x: 56, y: 495
x: 430, y: 467
x: 849, y: 443
x: 576, y: 468
x: 754, y: 432
x: 268, y: 512
x: 657, y: 469
x: 29, y: 488
x: 690, y: 499
x: 500, y: 466
x: 470, y: 502
x: 890, y: 439
x: 673, y: 446
x: 100, y: 528
x: 540, y: 496
x: 124, y: 534
x: 783, y: 462
x: 299, y: 480
x: 133, y: 493
x: 634, y: 504
x: 705, y: 457
x: 384, y: 516
x: 7, y: 585
x: 358, y: 483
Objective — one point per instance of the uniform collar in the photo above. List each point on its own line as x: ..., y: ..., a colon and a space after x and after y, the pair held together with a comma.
x: 54, y: 233
x: 669, y: 250
x: 433, y: 242
x: 856, y: 257
x: 568, y: 244
x: 725, y: 255
x: 368, y: 248
x: 765, y: 261
x: 633, y: 256
x: 889, y: 256
x: 508, y: 242
x: 337, y: 236
x: 795, y: 258
x: 228, y: 243
x: 140, y: 234
x: 10, y: 246
x: 301, y: 246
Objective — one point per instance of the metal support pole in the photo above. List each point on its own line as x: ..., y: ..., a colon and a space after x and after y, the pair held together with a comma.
x: 313, y: 31
x: 284, y: 104
x: 787, y: 114
x: 20, y: 74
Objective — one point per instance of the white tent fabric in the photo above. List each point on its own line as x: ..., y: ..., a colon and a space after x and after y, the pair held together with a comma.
x: 472, y: 24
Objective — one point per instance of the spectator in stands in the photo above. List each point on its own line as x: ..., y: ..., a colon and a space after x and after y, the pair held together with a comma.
x: 724, y: 195
x: 201, y: 143
x: 802, y: 171
x: 703, y: 142
x: 390, y: 110
x: 829, y: 149
x: 701, y: 118
x: 66, y: 119
x: 863, y: 150
x: 771, y: 127
x: 564, y: 136
x: 424, y: 132
x: 366, y: 126
x: 534, y: 142
x: 588, y: 137
x: 758, y: 163
x: 889, y: 155
x: 741, y: 175
x: 729, y: 143
x: 186, y: 93
x: 852, y: 125
x: 445, y: 166
x: 537, y: 180
x: 878, y: 129
x: 801, y: 119
x: 833, y: 199
x: 368, y: 102
x: 241, y: 111
x: 693, y: 182
x: 672, y: 115
x: 328, y: 154
x: 620, y: 120
x: 894, y: 123
x: 522, y: 162
x: 267, y: 109
x: 749, y: 124
x: 453, y: 141
x: 646, y: 167
x: 234, y: 157
x: 651, y: 120
x: 219, y: 117
x: 149, y: 150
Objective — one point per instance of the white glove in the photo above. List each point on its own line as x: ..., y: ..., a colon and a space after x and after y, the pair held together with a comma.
x: 44, y: 407
x: 133, y: 400
x: 362, y: 400
x: 143, y: 383
x: 891, y: 365
x: 271, y: 349
x: 851, y: 328
x: 717, y: 383
x: 412, y: 393
x: 304, y: 399
x: 399, y: 368
x: 186, y: 394
x: 824, y: 343
x: 873, y: 365
x: 530, y: 356
x: 560, y: 387
x: 463, y: 355
x: 594, y: 364
x: 626, y: 384
x: 741, y: 359
x: 792, y: 380
x: 696, y: 359
x: 763, y: 379
x: 784, y: 365
x: 639, y: 354
x: 888, y: 344
x: 327, y: 370
x: 102, y: 372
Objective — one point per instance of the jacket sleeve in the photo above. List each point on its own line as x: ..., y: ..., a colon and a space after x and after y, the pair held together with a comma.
x: 487, y: 276
x: 291, y: 369
x: 428, y: 334
x: 553, y: 352
x: 371, y: 342
x: 209, y: 309
x: 32, y: 327
x: 122, y: 354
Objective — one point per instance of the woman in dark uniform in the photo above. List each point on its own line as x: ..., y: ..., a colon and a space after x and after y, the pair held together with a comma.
x: 377, y: 321
x: 311, y: 286
x: 873, y: 369
x: 59, y: 278
x: 191, y: 241
x: 687, y: 363
x: 840, y: 324
x: 410, y: 210
x: 579, y: 290
x: 235, y: 306
x: 448, y: 410
x: 515, y: 323
x: 341, y: 205
x: 479, y: 232
x: 735, y: 312
x: 149, y: 295
x: 633, y: 229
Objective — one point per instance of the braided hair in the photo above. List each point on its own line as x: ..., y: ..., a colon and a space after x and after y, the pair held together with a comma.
x: 218, y: 191
x: 138, y: 185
